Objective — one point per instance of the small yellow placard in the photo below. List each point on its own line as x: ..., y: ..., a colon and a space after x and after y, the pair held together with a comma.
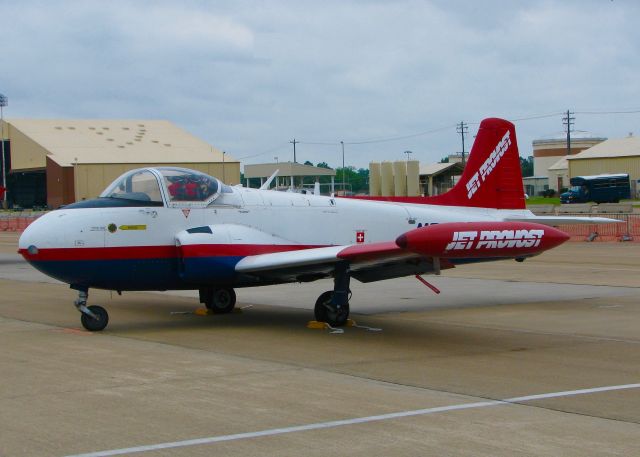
x: 133, y: 227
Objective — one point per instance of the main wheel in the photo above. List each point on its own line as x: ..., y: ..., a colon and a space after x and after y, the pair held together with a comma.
x: 325, y: 311
x: 221, y: 300
x: 92, y: 324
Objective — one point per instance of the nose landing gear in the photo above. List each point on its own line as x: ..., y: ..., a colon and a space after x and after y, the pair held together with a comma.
x: 93, y: 318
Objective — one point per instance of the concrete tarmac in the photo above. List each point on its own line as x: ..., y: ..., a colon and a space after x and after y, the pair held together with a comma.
x: 258, y: 382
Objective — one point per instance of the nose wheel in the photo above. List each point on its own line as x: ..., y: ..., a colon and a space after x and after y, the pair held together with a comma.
x: 97, y: 321
x: 93, y: 318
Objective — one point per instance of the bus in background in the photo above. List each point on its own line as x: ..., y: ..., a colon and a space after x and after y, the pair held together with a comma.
x: 598, y: 188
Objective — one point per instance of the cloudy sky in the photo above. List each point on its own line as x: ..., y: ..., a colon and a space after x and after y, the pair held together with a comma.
x: 384, y: 77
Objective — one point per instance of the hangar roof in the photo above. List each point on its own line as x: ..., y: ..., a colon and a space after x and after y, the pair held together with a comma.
x: 433, y: 169
x: 87, y: 141
x: 561, y: 164
x: 264, y: 170
x: 617, y: 147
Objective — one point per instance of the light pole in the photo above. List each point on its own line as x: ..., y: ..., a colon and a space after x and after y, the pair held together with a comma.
x: 343, y: 183
x: 277, y: 177
x: 4, y: 101
x: 408, y: 153
x: 223, y: 154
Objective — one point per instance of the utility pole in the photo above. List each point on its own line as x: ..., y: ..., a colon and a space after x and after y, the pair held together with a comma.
x: 462, y: 129
x: 4, y: 101
x: 294, y: 142
x: 568, y: 121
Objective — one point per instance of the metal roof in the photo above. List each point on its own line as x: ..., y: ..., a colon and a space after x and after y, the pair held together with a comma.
x: 576, y: 135
x: 561, y: 164
x: 89, y: 141
x: 618, y: 147
x: 433, y: 169
x: 264, y: 170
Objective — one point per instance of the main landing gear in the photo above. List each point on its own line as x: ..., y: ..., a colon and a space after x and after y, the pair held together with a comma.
x: 93, y: 318
x: 332, y: 306
x: 220, y: 300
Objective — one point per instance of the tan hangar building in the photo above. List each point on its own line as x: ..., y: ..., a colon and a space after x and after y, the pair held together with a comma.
x: 548, y: 152
x: 77, y: 159
x: 617, y: 155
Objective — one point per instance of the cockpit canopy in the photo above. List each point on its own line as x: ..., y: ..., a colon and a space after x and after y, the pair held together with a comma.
x: 175, y: 186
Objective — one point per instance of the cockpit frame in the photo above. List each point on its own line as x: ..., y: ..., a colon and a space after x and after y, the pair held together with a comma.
x: 175, y: 187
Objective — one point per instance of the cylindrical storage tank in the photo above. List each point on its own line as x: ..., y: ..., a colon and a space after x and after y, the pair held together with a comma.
x: 374, y: 179
x: 400, y: 178
x: 386, y: 182
x: 413, y: 178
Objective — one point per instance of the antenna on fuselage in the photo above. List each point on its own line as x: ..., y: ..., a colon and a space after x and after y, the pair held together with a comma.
x: 267, y: 183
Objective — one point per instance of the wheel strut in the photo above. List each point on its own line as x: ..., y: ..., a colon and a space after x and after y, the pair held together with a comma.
x: 93, y: 318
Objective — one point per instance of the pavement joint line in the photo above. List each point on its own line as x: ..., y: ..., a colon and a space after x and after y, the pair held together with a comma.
x: 534, y: 332
x: 352, y: 421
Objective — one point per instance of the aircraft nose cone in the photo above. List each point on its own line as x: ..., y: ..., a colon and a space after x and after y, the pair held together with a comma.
x: 38, y: 235
x: 402, y: 241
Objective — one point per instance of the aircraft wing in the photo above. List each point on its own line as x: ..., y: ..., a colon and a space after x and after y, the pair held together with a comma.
x: 367, y: 262
x: 426, y: 249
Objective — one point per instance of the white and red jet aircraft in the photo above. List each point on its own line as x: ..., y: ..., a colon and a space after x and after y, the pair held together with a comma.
x: 171, y: 228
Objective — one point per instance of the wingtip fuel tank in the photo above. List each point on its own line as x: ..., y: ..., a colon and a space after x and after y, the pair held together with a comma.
x: 482, y: 239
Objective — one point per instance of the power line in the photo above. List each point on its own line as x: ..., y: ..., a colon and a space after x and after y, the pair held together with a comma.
x: 281, y: 145
x: 536, y: 116
x: 635, y: 111
x: 395, y: 138
x: 439, y: 129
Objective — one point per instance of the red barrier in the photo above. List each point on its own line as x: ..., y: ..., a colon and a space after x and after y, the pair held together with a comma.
x: 627, y: 230
x: 16, y: 223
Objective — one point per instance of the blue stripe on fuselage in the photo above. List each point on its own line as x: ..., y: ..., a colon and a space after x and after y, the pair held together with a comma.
x: 143, y: 274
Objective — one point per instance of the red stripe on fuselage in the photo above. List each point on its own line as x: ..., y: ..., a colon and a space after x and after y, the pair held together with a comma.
x: 238, y: 250
x: 157, y: 252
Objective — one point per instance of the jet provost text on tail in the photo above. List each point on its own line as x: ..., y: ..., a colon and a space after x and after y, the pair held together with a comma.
x: 487, y: 167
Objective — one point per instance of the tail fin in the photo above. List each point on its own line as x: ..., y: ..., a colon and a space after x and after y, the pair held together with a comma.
x: 492, y: 176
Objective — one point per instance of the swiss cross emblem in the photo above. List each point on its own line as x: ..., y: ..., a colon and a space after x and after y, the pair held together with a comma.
x: 186, y: 212
x: 360, y: 236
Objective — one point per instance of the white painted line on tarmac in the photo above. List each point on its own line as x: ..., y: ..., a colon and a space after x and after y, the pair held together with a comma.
x: 353, y: 421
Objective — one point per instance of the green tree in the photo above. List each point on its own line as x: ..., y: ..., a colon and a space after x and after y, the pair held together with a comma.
x: 526, y: 166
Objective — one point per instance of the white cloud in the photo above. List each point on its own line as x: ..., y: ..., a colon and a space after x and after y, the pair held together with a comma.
x: 249, y: 75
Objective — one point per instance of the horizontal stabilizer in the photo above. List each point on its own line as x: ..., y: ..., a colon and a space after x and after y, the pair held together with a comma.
x: 562, y: 220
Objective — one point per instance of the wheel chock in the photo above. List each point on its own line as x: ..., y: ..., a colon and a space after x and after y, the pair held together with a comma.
x: 324, y: 326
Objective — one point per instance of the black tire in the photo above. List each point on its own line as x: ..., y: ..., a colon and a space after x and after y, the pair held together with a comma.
x: 326, y: 312
x: 95, y: 325
x: 221, y: 301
